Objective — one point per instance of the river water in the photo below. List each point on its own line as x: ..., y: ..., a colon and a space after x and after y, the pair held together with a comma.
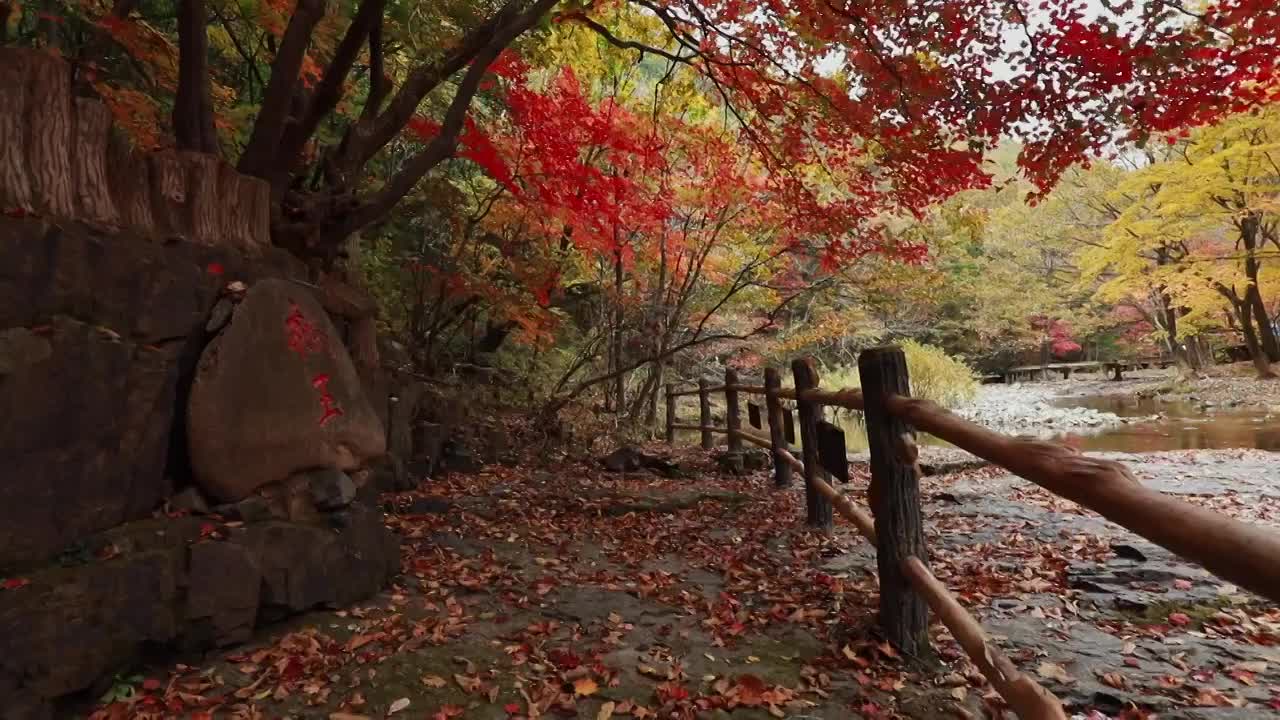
x: 1180, y: 426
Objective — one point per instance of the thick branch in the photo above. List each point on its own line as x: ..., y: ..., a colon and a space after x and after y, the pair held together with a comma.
x: 443, y: 145
x: 330, y: 88
x: 373, y: 131
x: 261, y: 153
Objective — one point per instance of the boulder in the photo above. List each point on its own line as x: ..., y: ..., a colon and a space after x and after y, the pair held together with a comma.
x: 291, y: 500
x: 190, y: 500
x: 20, y: 349
x: 306, y: 566
x: 743, y: 461
x: 629, y: 459
x: 84, y: 432
x: 275, y: 393
x: 331, y: 489
x: 223, y: 584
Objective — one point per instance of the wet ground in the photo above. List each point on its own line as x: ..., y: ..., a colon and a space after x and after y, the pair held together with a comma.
x: 578, y: 593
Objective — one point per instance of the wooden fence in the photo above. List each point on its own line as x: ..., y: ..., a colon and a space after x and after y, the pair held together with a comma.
x: 1244, y: 554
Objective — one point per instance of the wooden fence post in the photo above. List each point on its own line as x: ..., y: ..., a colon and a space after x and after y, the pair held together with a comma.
x: 733, y: 418
x: 671, y: 413
x: 895, y: 501
x: 820, y: 513
x: 704, y: 413
x: 777, y: 433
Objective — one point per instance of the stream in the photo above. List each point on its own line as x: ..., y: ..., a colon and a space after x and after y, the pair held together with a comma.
x: 1144, y: 425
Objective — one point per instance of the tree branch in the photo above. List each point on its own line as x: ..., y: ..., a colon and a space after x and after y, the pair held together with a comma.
x: 329, y: 90
x: 260, y: 154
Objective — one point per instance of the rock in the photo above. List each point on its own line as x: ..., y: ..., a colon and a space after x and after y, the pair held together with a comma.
x: 190, y: 500
x: 249, y: 510
x: 220, y: 315
x: 223, y: 584
x: 73, y: 627
x: 460, y: 459
x: 331, y: 489
x: 307, y: 566
x: 21, y: 348
x: 731, y: 463
x: 276, y: 393
x: 754, y: 459
x: 84, y: 438
x: 62, y: 634
x: 624, y: 459
x: 1128, y: 551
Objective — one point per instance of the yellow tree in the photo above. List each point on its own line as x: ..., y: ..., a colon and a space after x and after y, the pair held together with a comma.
x: 1220, y: 183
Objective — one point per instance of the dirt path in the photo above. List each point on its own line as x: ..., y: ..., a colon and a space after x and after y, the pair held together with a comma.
x: 582, y: 594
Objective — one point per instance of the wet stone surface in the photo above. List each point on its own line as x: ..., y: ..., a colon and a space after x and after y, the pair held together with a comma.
x: 534, y: 592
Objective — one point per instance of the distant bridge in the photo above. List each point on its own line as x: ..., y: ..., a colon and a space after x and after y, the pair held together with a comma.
x: 1024, y: 373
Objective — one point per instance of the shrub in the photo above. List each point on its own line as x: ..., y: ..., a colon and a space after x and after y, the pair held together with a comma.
x: 934, y: 375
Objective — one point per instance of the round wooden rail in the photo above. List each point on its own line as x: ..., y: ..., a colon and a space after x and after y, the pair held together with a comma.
x: 850, y: 399
x: 695, y: 391
x: 1247, y: 555
x: 702, y: 428
x: 1027, y: 698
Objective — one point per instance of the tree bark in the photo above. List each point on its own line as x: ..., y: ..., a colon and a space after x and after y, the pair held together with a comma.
x: 262, y: 152
x: 777, y: 432
x: 193, y: 126
x: 895, y: 501
x: 819, y: 512
x: 1249, y: 226
x: 619, y: 382
x: 329, y: 90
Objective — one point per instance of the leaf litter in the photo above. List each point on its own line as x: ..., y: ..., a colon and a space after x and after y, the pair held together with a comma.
x: 544, y: 594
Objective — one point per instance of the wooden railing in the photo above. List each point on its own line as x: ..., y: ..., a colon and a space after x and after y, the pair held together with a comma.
x: 1244, y: 554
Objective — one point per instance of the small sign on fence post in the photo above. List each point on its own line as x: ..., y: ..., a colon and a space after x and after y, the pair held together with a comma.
x: 831, y: 451
x: 753, y: 415
x: 789, y: 425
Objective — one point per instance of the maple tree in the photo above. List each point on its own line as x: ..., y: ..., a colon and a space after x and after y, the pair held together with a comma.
x: 902, y: 95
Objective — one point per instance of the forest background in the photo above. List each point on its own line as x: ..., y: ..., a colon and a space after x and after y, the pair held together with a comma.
x: 598, y: 198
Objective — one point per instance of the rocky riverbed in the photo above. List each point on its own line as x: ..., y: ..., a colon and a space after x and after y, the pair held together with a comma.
x: 1032, y: 409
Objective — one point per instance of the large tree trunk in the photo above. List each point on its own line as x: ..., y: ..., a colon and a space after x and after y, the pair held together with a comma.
x: 193, y: 107
x: 1266, y: 332
x: 1261, y: 362
x: 1249, y: 227
x: 1243, y: 313
x: 620, y: 382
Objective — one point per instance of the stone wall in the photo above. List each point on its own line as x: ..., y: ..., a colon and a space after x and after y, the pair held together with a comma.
x: 97, y: 335
x: 119, y: 274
